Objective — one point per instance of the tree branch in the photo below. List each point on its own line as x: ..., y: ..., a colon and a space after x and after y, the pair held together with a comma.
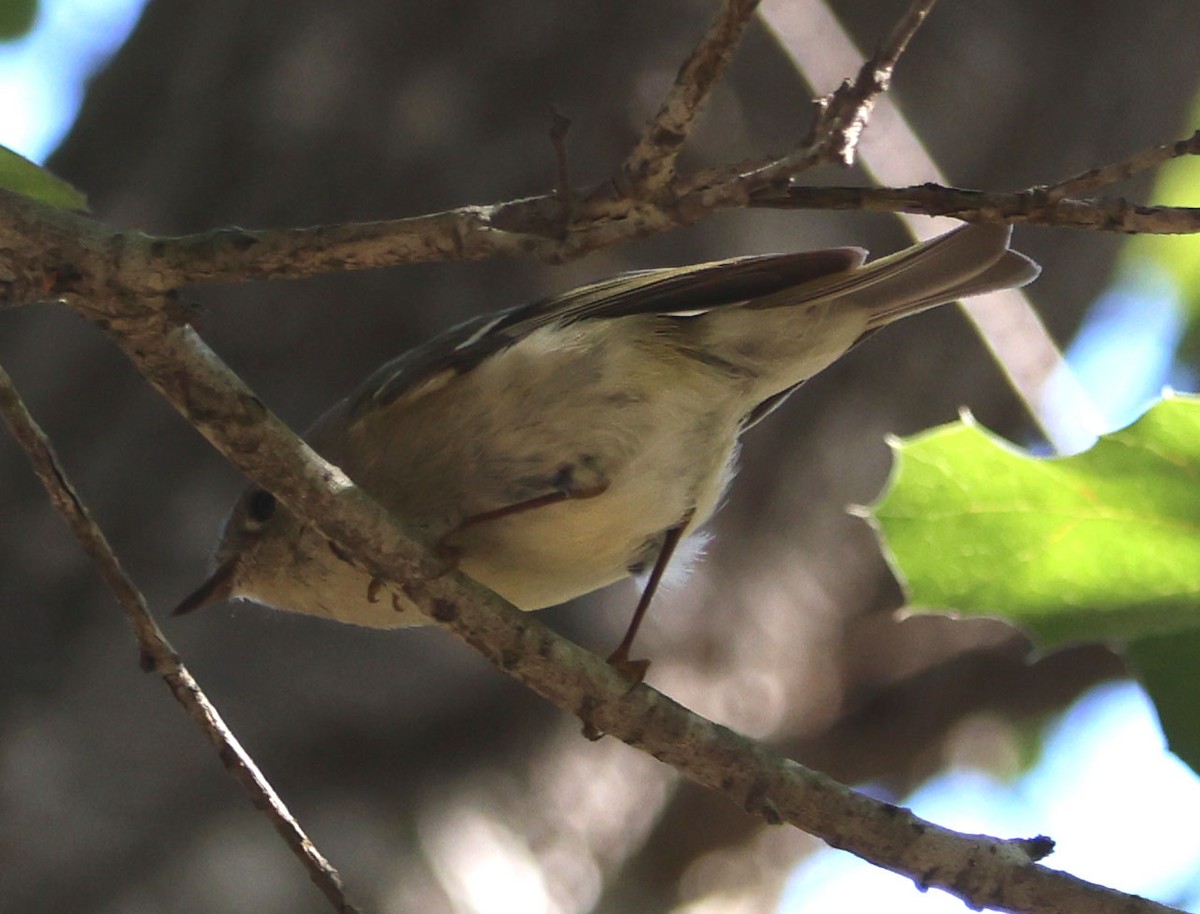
x: 157, y: 653
x: 844, y: 114
x: 78, y: 251
x: 1116, y: 172
x: 983, y: 871
x: 1031, y: 207
x: 1039, y: 205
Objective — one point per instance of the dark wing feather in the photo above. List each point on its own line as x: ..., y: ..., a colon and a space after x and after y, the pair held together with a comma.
x: 700, y: 287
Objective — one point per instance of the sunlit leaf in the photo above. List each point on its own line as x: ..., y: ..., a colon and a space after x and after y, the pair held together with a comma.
x: 1103, y: 545
x: 18, y: 174
x: 1166, y: 665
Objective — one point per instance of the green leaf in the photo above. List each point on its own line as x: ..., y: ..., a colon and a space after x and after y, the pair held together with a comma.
x: 1104, y: 545
x: 1166, y: 665
x: 16, y: 18
x: 18, y: 174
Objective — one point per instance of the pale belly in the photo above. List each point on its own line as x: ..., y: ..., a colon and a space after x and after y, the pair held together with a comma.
x: 551, y: 554
x: 545, y: 555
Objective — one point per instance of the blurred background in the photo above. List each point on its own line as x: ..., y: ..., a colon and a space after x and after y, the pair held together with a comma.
x: 431, y: 781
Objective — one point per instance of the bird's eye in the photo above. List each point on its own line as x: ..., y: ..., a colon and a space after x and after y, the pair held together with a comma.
x: 260, y: 506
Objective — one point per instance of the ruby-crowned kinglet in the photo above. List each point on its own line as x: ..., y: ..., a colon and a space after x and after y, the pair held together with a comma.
x: 559, y: 446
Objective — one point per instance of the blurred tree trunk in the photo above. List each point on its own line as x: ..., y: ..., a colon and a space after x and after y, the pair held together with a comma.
x: 407, y: 756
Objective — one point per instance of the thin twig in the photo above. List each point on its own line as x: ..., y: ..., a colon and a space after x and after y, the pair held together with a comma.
x: 650, y: 166
x: 845, y: 113
x: 1104, y: 175
x: 1030, y: 207
x: 157, y: 653
x: 560, y: 126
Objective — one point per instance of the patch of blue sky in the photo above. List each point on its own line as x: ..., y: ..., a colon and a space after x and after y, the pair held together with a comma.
x: 1121, y: 809
x: 1124, y: 354
x: 43, y: 74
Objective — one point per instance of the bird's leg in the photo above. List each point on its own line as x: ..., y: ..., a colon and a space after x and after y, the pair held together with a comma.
x: 564, y: 486
x: 619, y: 659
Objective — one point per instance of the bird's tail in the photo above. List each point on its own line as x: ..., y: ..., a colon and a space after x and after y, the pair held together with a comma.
x: 971, y: 260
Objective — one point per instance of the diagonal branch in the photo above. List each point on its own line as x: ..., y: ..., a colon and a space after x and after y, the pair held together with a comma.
x: 1115, y: 172
x: 983, y: 871
x: 157, y: 653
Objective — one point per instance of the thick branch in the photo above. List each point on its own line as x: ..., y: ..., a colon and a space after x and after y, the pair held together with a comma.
x: 983, y: 871
x: 49, y: 253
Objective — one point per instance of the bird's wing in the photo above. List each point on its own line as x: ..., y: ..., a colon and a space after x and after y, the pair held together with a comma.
x: 676, y: 290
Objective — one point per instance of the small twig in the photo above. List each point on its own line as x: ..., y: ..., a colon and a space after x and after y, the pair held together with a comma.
x: 834, y: 136
x: 845, y: 113
x: 1031, y: 207
x: 1104, y: 175
x: 650, y: 167
x: 560, y: 126
x: 157, y: 653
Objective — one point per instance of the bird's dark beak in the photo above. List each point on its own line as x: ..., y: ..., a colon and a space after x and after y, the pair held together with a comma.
x: 218, y: 587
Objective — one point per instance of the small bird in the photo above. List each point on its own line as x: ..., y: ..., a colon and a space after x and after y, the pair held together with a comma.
x: 556, y: 447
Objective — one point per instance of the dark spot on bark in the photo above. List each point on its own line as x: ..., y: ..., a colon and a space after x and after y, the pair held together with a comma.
x: 444, y: 610
x: 755, y: 797
x: 242, y: 241
x: 590, y: 731
x: 509, y: 659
